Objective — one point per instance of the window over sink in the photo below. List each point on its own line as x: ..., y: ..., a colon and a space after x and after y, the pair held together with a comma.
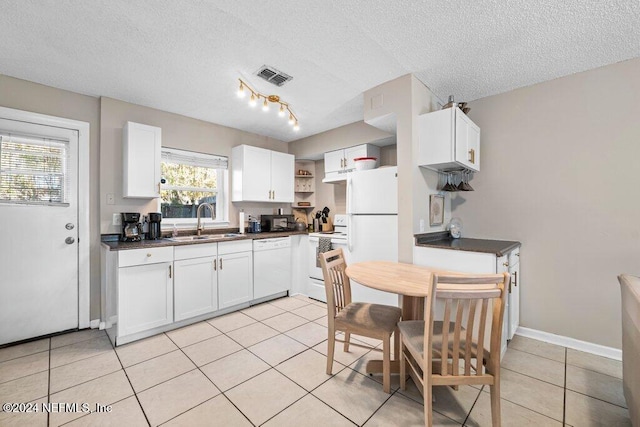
x: 190, y: 179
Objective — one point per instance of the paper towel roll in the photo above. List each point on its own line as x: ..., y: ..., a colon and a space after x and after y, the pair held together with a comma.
x: 241, y: 222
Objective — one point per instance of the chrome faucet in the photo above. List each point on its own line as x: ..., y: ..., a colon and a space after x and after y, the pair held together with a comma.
x: 199, y: 212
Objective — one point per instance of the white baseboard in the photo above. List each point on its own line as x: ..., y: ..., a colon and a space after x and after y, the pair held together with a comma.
x: 94, y: 324
x: 587, y: 347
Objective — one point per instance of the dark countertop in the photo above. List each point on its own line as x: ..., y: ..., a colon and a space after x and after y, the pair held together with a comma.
x: 442, y: 240
x: 143, y: 244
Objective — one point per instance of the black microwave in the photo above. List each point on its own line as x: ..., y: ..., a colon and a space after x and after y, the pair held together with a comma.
x: 277, y: 222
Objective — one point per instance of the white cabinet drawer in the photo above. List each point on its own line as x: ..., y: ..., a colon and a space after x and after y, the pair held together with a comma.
x: 132, y: 257
x: 195, y: 251
x: 235, y: 246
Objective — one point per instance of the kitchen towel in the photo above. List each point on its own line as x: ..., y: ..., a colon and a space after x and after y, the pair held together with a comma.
x: 324, y: 245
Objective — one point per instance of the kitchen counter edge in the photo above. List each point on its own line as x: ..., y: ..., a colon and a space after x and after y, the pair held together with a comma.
x: 143, y: 244
x: 442, y: 240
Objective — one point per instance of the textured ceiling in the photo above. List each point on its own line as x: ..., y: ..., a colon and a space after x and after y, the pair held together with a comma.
x: 184, y: 56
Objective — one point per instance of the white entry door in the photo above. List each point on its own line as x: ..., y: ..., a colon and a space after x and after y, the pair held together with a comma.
x: 38, y: 230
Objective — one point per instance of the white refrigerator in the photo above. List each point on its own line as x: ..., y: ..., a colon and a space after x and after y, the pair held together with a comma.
x: 372, y: 209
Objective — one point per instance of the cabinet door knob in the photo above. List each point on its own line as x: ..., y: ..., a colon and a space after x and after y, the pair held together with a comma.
x: 506, y: 263
x: 515, y: 278
x: 170, y: 272
x: 220, y: 263
x: 69, y: 240
x: 149, y: 255
x: 215, y: 264
x: 472, y: 156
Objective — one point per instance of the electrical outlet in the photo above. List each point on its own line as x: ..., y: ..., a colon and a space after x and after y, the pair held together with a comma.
x: 117, y: 219
x: 111, y: 199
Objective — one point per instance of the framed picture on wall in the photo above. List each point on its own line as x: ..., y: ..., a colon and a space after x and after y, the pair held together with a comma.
x: 436, y: 209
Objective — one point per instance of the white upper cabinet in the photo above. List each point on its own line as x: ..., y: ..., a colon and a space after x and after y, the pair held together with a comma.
x: 141, y: 145
x: 448, y: 140
x: 337, y: 163
x: 282, y: 177
x: 260, y: 175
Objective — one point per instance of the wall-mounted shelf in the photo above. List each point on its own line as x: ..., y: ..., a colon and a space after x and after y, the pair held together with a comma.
x: 305, y: 186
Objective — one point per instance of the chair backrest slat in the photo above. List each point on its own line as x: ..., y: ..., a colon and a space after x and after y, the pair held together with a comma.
x: 456, y: 336
x: 468, y: 350
x: 481, y: 328
x: 446, y: 322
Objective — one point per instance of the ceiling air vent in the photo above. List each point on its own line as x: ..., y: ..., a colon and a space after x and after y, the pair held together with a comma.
x: 273, y: 76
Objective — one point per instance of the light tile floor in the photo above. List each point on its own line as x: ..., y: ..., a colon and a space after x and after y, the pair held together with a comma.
x: 265, y: 365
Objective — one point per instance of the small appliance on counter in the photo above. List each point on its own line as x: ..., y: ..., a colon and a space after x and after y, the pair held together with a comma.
x: 131, y: 227
x: 277, y: 222
x: 154, y: 225
x: 254, y: 225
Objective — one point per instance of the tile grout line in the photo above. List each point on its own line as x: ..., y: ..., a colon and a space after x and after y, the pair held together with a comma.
x: 474, y: 404
x: 566, y: 361
x: 564, y: 391
x: 49, y: 384
x: 130, y: 384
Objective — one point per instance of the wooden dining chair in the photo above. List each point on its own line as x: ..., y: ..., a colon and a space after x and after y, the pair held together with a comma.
x: 369, y: 320
x: 452, y: 351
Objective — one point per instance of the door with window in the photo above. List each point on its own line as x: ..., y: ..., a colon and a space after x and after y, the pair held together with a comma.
x: 38, y: 230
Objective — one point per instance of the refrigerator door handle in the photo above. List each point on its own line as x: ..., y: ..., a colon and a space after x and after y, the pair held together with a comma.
x: 349, y: 233
x: 349, y: 213
x: 349, y: 191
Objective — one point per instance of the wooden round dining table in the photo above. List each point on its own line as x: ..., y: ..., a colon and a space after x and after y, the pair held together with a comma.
x: 409, y: 280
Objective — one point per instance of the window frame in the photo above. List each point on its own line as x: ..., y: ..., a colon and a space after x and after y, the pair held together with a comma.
x: 221, y: 191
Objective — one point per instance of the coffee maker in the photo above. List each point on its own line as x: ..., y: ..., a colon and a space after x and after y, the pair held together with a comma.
x: 154, y: 225
x: 131, y: 227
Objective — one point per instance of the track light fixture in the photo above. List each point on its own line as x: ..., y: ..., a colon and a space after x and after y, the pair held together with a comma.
x: 255, y: 97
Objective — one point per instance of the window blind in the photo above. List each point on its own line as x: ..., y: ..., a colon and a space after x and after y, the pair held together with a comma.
x: 192, y: 158
x: 33, y: 169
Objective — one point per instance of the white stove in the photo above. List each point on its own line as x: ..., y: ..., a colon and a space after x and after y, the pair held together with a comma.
x: 339, y: 229
x: 315, y: 288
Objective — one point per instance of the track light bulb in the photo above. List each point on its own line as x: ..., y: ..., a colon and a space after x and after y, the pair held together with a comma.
x: 281, y: 112
x: 296, y: 127
x: 265, y: 105
x: 291, y: 121
x: 241, y: 91
x: 252, y: 100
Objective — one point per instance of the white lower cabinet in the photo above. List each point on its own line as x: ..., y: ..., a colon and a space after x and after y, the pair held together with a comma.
x: 235, y: 278
x: 145, y: 297
x: 195, y: 287
x: 147, y: 291
x: 195, y: 282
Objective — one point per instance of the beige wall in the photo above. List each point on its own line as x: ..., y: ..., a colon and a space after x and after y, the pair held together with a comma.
x: 28, y: 96
x: 560, y: 174
x: 177, y: 132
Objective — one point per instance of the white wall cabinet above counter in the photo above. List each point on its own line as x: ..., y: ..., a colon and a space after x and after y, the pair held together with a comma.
x: 141, y: 145
x: 337, y: 163
x: 448, y: 140
x: 260, y: 175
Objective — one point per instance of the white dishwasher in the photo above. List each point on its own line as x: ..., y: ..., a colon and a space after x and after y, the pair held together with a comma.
x: 271, y: 266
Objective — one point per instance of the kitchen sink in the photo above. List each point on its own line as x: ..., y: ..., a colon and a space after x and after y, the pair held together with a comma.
x: 205, y: 237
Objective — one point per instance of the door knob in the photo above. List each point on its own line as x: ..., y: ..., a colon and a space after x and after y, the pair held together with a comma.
x: 69, y: 226
x: 69, y: 240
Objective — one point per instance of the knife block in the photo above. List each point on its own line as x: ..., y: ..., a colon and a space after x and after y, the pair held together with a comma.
x: 326, y: 226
